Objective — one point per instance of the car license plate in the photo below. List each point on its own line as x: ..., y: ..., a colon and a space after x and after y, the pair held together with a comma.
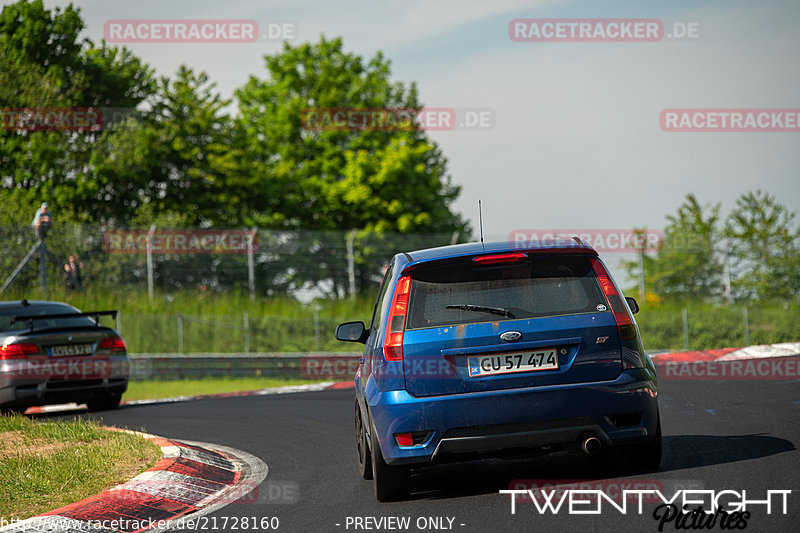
x: 529, y: 361
x: 71, y: 349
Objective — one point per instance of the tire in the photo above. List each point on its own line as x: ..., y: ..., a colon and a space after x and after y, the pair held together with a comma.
x: 106, y: 402
x: 362, y: 447
x: 646, y: 456
x: 391, y: 482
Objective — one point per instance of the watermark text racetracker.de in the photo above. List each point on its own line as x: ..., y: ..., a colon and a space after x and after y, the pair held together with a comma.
x: 600, y: 30
x: 51, y: 119
x: 602, y: 240
x: 232, y: 241
x: 122, y: 522
x: 344, y: 367
x: 770, y: 369
x: 198, y: 31
x: 730, y: 120
x: 67, y: 368
x: 396, y: 119
x: 64, y: 119
x: 275, y: 492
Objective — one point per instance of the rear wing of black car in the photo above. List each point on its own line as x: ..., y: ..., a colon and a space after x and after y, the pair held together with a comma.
x: 32, y: 318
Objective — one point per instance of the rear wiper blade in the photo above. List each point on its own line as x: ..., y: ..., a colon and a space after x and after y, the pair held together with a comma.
x: 482, y: 309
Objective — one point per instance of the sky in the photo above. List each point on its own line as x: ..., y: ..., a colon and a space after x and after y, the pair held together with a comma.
x: 576, y: 140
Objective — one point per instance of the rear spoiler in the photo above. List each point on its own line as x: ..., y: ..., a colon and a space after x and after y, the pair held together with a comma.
x: 94, y: 314
x: 575, y: 246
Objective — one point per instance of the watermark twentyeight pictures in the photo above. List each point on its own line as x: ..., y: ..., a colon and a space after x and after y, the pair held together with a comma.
x: 731, y: 120
x: 542, y: 491
x: 600, y: 30
x: 198, y: 31
x: 396, y: 119
x: 596, y: 500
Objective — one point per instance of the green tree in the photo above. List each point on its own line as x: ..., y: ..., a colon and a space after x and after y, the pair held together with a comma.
x: 687, y: 267
x: 325, y: 182
x: 177, y: 160
x: 44, y: 64
x: 765, y: 248
x: 337, y: 180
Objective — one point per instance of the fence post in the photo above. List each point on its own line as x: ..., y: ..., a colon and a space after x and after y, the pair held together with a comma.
x: 43, y: 265
x: 728, y: 288
x: 246, y: 332
x: 180, y: 332
x: 251, y: 263
x: 119, y: 323
x: 351, y: 268
x: 746, y: 328
x: 685, y: 316
x: 150, y: 262
x: 641, y: 276
x: 316, y: 327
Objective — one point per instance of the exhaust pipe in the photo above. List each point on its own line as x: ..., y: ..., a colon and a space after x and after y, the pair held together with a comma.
x: 591, y: 445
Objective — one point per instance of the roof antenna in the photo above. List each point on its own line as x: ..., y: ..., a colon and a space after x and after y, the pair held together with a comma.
x: 480, y: 221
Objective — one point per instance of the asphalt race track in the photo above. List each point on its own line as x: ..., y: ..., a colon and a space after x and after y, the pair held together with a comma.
x: 718, y: 436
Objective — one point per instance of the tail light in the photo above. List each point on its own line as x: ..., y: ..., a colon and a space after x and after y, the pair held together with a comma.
x: 393, y: 341
x: 404, y: 439
x: 614, y: 299
x: 18, y: 351
x: 113, y: 344
x: 414, y: 438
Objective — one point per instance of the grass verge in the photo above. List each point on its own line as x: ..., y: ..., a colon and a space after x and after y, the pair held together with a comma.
x: 48, y: 464
x: 155, y: 389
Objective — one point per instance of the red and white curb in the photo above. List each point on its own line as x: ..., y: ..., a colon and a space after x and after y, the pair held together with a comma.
x: 762, y: 351
x: 190, y: 480
x: 761, y: 362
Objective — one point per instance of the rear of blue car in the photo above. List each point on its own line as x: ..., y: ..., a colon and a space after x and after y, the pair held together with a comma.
x: 479, y: 350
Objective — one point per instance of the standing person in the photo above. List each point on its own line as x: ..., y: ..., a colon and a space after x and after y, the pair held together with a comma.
x: 42, y: 221
x: 73, y: 269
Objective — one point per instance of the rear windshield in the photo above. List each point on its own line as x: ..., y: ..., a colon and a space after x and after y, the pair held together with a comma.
x: 543, y: 286
x: 22, y: 325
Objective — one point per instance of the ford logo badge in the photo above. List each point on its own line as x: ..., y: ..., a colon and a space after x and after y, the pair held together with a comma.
x: 510, y: 335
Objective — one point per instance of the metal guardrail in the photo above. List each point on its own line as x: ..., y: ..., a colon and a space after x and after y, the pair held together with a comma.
x: 301, y: 365
x: 313, y: 365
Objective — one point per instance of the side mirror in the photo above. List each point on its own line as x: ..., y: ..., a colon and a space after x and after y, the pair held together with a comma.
x: 352, y: 332
x: 632, y: 304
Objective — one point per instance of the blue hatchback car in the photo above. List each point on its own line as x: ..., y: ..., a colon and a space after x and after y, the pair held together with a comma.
x: 478, y: 350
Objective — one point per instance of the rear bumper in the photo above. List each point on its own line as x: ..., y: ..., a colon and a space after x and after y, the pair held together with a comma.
x: 621, y: 411
x: 517, y: 436
x: 22, y: 387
